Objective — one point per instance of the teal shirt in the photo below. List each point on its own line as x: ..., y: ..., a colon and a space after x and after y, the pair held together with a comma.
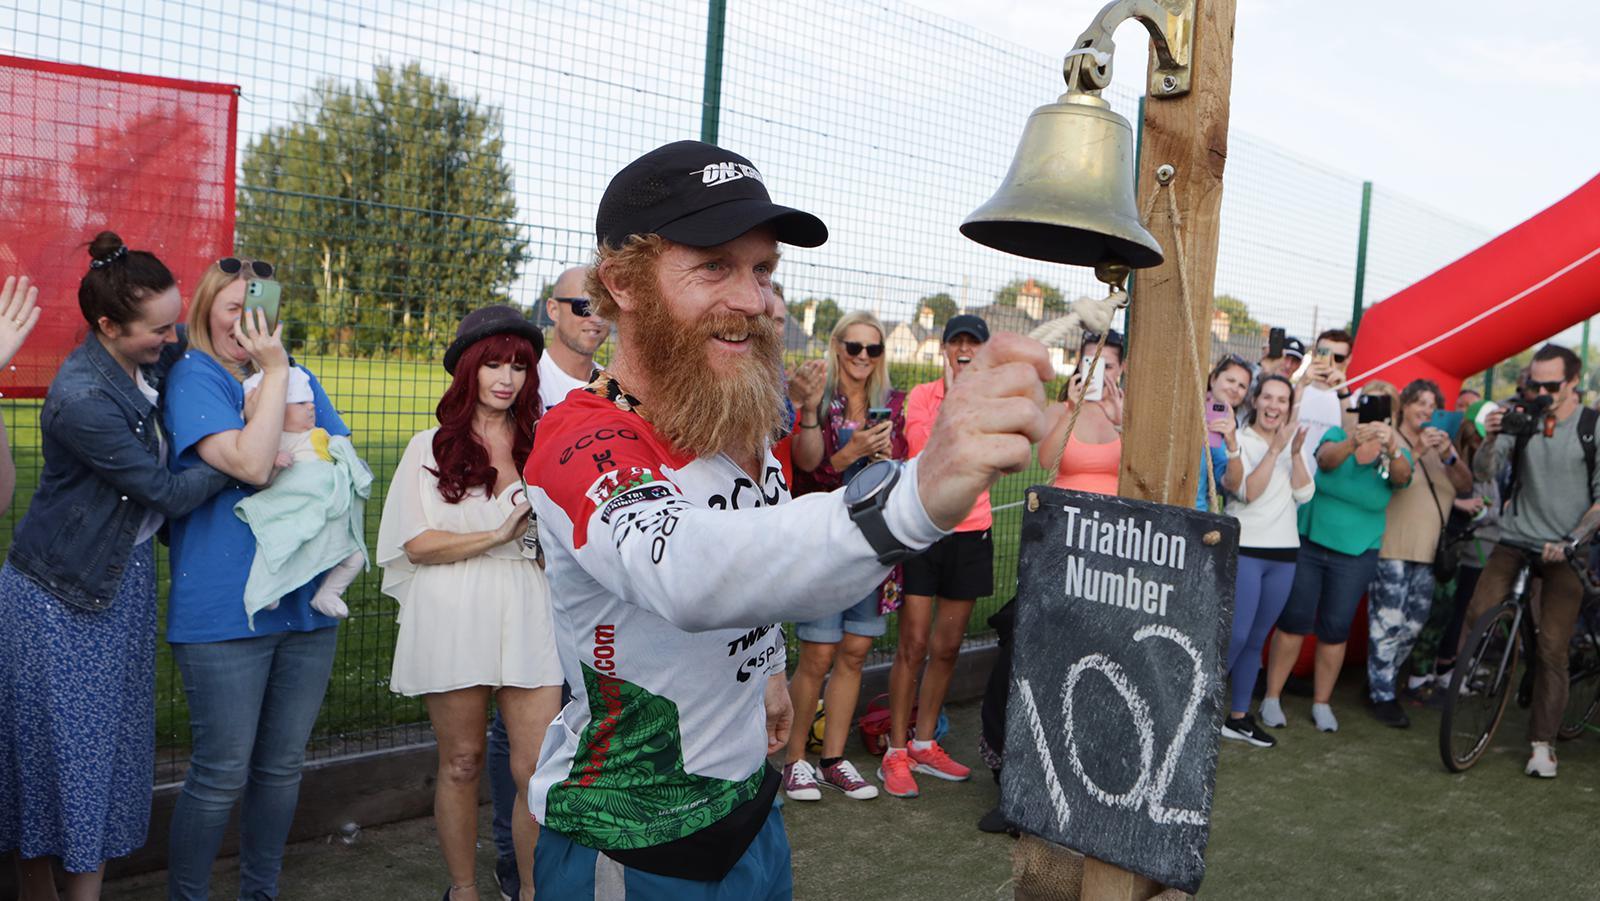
x: 1348, y: 511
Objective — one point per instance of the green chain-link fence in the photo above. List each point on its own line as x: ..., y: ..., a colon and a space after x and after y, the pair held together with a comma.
x: 404, y: 162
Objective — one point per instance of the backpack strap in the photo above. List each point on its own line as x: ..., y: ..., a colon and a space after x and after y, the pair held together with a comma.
x: 1588, y: 418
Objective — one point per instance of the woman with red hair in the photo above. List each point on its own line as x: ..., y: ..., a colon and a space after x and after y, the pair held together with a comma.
x: 459, y: 555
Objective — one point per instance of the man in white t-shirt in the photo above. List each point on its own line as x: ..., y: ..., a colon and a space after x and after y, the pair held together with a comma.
x: 1323, y: 395
x: 568, y: 360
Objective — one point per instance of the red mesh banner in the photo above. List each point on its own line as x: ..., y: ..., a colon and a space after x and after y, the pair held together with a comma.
x: 85, y: 149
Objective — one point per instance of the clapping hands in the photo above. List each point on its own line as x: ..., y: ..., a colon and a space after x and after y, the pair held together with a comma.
x: 19, y: 313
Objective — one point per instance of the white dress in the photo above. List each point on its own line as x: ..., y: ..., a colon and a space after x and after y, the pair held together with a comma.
x: 480, y: 621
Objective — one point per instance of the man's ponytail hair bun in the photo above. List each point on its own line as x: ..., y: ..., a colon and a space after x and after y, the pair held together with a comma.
x: 118, y: 280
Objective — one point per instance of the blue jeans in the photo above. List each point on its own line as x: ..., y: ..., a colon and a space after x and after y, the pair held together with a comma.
x: 252, y: 705
x: 861, y: 618
x: 502, y: 785
x: 564, y: 870
x: 1327, y: 587
x: 1261, y: 590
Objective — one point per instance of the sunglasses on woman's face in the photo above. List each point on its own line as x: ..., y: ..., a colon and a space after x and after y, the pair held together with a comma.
x: 854, y: 349
x: 258, y: 268
x: 579, y: 305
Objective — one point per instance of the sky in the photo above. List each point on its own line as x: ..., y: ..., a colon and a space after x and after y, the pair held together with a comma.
x: 1475, y: 107
x: 892, y: 120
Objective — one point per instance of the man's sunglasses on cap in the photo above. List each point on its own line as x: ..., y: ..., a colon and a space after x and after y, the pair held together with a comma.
x: 1544, y: 387
x: 580, y: 305
x: 1113, y: 338
x: 258, y: 268
x: 1325, y: 351
x: 854, y: 349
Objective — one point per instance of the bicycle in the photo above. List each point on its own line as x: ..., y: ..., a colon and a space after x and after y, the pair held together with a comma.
x: 1480, y: 686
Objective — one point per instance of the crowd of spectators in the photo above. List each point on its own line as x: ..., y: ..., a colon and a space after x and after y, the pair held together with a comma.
x: 200, y: 430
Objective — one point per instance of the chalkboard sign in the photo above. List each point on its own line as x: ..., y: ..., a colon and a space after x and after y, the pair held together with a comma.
x: 1124, y: 610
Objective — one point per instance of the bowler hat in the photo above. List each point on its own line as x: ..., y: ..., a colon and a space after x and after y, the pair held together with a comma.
x: 493, y: 320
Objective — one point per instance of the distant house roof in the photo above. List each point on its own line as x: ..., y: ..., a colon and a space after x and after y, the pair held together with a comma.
x: 795, y: 339
x: 1005, y: 319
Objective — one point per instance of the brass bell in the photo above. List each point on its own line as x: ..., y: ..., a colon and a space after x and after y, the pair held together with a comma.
x: 1069, y: 196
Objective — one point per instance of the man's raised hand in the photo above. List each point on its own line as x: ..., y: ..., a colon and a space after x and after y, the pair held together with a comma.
x: 990, y: 420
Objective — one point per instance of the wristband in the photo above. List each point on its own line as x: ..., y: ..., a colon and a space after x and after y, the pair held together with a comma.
x: 810, y: 425
x: 1233, y: 453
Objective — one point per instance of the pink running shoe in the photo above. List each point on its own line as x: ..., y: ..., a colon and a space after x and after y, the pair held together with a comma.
x: 844, y: 777
x: 935, y: 762
x: 895, y: 774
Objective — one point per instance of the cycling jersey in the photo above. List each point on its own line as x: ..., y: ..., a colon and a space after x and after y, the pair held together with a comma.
x: 669, y: 576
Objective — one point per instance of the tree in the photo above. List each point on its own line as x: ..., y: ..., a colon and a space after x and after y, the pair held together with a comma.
x: 392, y: 204
x: 828, y: 315
x: 1053, y: 301
x: 1240, y: 322
x: 942, y: 305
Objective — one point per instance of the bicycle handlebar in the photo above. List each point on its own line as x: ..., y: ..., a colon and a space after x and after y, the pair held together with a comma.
x: 1580, y: 566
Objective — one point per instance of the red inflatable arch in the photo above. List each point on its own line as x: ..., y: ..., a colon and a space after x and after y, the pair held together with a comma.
x: 1518, y: 289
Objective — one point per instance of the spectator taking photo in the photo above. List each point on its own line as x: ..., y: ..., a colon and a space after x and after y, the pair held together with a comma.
x: 1554, y: 485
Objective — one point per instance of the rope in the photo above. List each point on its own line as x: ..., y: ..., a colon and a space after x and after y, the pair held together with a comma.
x: 1077, y: 407
x: 1213, y: 501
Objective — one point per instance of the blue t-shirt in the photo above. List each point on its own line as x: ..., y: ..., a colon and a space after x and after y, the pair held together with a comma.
x: 212, y: 548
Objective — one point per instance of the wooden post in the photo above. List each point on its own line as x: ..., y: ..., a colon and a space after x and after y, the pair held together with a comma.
x: 1163, y: 442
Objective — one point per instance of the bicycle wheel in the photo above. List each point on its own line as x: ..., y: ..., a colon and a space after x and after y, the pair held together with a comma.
x: 1480, y: 686
x: 1583, y: 692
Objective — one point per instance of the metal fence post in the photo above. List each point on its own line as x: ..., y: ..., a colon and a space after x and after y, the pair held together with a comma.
x: 1585, y: 353
x: 1361, y: 257
x: 711, y: 99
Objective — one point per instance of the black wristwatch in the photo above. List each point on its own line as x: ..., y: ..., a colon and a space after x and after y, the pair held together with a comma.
x: 866, y: 497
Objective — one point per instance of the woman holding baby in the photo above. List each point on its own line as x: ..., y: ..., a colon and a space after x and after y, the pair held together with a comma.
x: 459, y: 556
x: 78, y: 591
x: 254, y: 683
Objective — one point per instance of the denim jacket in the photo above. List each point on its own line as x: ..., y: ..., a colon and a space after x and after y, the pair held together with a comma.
x: 101, y: 475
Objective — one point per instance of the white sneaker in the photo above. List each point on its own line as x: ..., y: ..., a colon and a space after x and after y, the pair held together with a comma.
x: 1542, y: 762
x: 1417, y: 683
x: 1272, y: 713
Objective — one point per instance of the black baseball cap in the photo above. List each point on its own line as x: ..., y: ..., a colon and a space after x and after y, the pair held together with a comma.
x: 966, y: 324
x: 696, y: 194
x: 1294, y: 347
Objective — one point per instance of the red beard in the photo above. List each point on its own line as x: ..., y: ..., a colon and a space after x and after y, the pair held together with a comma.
x: 698, y: 409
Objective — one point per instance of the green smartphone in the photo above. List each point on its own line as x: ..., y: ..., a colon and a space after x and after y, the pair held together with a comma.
x: 263, y: 296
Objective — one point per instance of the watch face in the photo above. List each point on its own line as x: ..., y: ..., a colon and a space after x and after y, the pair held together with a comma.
x: 868, y: 481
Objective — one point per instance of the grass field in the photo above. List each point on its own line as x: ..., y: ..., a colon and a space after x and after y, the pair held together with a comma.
x: 1366, y: 813
x: 385, y: 402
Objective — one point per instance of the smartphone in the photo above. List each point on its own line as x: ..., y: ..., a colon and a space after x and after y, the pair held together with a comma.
x: 1275, y: 341
x: 263, y: 296
x: 1372, y: 408
x: 1446, y: 421
x: 877, y: 415
x: 1096, y: 385
x: 1323, y: 355
x: 1215, y: 410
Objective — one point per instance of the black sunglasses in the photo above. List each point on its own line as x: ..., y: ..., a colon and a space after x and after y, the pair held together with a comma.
x: 580, y: 305
x: 1545, y: 387
x: 1337, y: 358
x: 854, y: 349
x: 258, y: 268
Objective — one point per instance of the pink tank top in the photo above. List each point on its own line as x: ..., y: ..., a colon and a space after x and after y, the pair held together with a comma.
x: 1090, y: 467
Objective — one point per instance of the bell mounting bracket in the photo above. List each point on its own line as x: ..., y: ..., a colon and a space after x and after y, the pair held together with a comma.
x: 1171, y: 25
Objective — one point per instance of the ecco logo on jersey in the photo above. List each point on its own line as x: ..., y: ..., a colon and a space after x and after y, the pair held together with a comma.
x: 722, y: 173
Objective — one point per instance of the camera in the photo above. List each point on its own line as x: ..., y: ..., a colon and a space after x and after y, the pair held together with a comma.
x: 1524, y: 418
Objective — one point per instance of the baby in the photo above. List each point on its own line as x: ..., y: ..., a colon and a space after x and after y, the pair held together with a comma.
x: 309, y: 518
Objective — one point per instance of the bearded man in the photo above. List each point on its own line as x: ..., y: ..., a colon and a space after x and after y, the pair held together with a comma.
x: 673, y: 549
